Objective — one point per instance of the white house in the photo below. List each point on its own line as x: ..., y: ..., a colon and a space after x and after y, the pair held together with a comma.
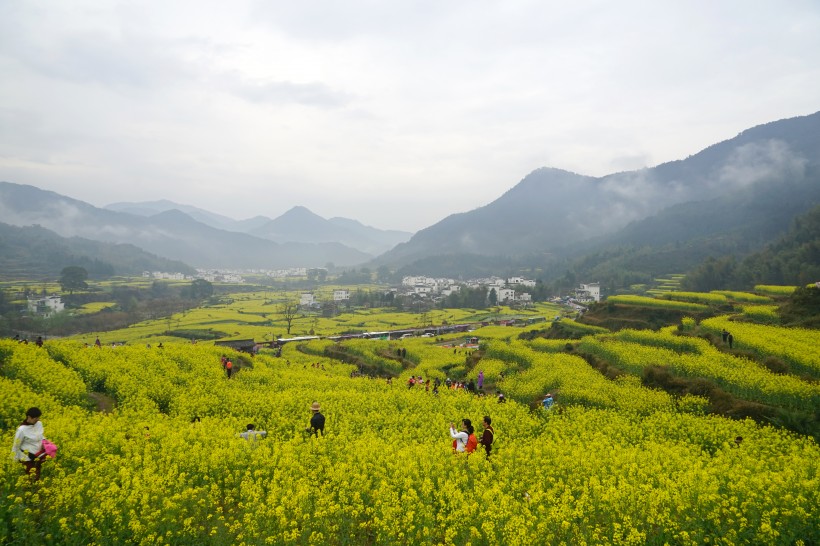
x: 341, y: 295
x: 46, y: 306
x: 502, y: 294
x: 307, y: 299
x: 450, y: 290
x: 589, y: 292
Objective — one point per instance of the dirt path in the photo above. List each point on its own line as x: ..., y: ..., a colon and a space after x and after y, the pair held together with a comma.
x: 102, y: 402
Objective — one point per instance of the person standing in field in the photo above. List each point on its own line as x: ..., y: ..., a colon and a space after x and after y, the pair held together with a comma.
x: 548, y: 401
x: 229, y: 368
x: 463, y: 440
x: 252, y: 434
x: 489, y: 434
x: 28, y: 443
x: 724, y: 334
x: 317, y: 420
x: 481, y: 379
x: 730, y: 338
x: 459, y: 437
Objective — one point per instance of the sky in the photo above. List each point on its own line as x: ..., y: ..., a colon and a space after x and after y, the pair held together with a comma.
x: 396, y: 114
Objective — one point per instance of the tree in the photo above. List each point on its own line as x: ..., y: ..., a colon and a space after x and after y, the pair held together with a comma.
x: 201, y: 289
x: 288, y: 310
x: 493, y: 297
x: 73, y: 278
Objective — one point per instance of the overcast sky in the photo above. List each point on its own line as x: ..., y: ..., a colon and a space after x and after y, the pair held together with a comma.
x: 392, y: 113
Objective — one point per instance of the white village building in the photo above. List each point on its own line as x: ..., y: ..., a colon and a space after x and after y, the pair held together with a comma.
x: 341, y: 295
x: 46, y: 306
x: 588, y: 292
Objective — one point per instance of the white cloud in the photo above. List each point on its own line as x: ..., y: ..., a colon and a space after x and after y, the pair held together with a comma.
x: 395, y: 114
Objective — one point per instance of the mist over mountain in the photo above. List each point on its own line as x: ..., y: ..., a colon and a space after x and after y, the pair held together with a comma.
x: 152, y: 208
x: 748, y: 187
x: 34, y: 251
x: 171, y: 234
x: 732, y: 197
x: 298, y: 225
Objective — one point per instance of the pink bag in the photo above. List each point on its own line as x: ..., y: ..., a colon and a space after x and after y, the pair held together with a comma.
x: 50, y: 448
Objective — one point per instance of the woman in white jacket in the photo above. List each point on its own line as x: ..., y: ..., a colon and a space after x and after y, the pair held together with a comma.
x: 28, y: 443
x: 460, y: 437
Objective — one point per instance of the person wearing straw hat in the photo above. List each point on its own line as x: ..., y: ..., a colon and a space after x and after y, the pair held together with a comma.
x: 317, y: 421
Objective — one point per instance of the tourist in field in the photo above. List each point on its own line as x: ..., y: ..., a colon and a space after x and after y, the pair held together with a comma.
x: 459, y: 437
x: 480, y: 379
x: 39, y: 341
x: 548, y: 401
x: 317, y: 420
x: 229, y: 368
x: 500, y: 396
x: 730, y: 338
x: 28, y: 443
x: 724, y: 334
x: 463, y: 440
x: 252, y: 434
x: 489, y: 434
x: 98, y: 343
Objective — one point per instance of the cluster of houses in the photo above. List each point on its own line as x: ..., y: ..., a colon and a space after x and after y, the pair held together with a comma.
x: 210, y: 275
x: 581, y: 298
x: 510, y: 291
x: 506, y: 290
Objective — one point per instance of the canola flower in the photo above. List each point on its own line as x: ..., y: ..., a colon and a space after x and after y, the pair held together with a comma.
x: 147, y: 473
x: 643, y: 301
x: 800, y: 347
x: 634, y: 350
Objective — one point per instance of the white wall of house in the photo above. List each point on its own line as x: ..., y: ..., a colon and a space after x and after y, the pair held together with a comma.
x: 502, y: 294
x: 306, y: 299
x: 341, y: 295
x: 46, y: 306
x: 592, y: 291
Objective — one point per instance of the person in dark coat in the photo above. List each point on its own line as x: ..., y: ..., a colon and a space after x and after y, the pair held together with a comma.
x: 488, y: 436
x: 317, y: 421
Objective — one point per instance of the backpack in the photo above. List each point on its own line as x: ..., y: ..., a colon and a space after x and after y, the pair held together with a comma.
x: 472, y: 443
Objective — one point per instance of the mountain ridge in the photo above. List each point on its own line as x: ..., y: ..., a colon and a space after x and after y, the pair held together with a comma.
x: 550, y: 210
x: 170, y: 234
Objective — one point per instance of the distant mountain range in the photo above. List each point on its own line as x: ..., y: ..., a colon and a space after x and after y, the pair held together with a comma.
x: 749, y: 187
x: 171, y: 234
x: 298, y: 225
x: 734, y: 196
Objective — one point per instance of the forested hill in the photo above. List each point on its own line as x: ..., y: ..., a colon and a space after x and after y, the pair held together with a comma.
x: 792, y: 260
x: 747, y: 189
x: 34, y: 251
